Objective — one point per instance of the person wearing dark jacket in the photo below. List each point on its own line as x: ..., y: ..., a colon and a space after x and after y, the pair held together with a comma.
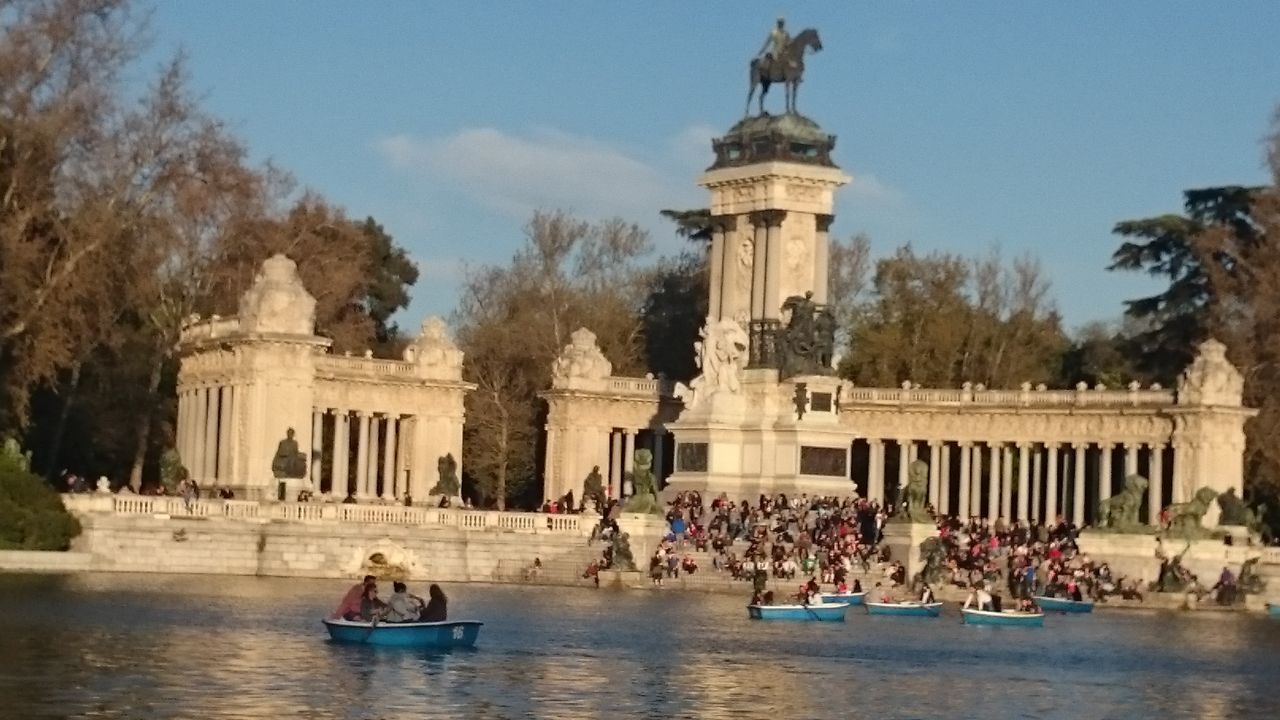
x: 437, y: 606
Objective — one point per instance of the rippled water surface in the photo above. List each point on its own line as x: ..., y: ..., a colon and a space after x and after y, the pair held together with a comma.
x: 141, y: 647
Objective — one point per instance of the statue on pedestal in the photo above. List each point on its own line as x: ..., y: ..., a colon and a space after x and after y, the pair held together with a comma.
x: 808, y: 342
x: 447, y: 485
x: 911, y: 497
x: 645, y: 494
x: 1119, y: 513
x: 1235, y: 512
x: 593, y: 489
x: 288, y: 462
x: 933, y: 556
x: 721, y: 354
x: 1185, y: 518
x: 781, y: 60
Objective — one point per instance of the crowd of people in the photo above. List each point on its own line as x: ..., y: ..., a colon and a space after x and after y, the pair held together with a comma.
x: 362, y: 604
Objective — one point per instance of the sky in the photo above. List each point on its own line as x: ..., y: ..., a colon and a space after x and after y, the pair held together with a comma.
x: 1028, y: 127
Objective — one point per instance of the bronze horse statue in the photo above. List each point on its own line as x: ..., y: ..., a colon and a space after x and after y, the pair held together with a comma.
x: 787, y: 69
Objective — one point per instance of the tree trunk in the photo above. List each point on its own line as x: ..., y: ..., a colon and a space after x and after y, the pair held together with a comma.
x: 55, y: 445
x: 143, y: 437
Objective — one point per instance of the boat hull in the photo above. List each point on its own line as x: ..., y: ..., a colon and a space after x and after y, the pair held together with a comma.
x: 1063, y: 605
x: 908, y: 609
x: 1011, y: 619
x: 448, y: 634
x: 850, y: 598
x: 824, y: 612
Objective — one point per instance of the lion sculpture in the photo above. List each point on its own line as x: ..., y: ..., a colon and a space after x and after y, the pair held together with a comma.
x: 1185, y: 518
x: 1120, y: 512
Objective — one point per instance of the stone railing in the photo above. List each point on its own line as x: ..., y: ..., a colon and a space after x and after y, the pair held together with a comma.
x: 355, y: 514
x: 365, y: 367
x: 1007, y: 398
x: 640, y: 386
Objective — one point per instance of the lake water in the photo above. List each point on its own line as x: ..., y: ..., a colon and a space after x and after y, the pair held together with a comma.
x: 142, y: 647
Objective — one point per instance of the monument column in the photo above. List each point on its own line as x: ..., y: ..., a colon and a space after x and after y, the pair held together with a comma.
x: 659, y: 455
x: 875, y: 470
x: 200, y: 410
x: 1024, y: 474
x: 975, y: 499
x: 758, y: 255
x: 1077, y: 510
x: 966, y: 479
x: 716, y: 266
x: 821, y: 257
x: 211, y: 437
x: 1131, y: 459
x: 371, y: 479
x: 184, y: 427
x: 993, y: 484
x: 773, y: 271
x: 616, y: 468
x: 317, y: 449
x: 935, y: 475
x: 1006, y: 483
x: 1104, y: 473
x: 1155, y: 490
x: 904, y: 459
x: 628, y: 460
x: 389, y: 460
x: 238, y: 474
x: 1051, y: 489
x: 362, y: 456
x: 224, y: 433
x: 944, y: 481
x: 1037, y: 484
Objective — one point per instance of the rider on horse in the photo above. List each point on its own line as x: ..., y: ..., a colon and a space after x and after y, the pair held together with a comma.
x: 775, y: 47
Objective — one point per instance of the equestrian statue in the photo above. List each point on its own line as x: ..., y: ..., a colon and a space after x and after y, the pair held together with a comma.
x: 781, y: 60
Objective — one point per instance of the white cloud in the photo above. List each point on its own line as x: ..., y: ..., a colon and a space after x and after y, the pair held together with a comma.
x: 516, y: 174
x: 867, y: 189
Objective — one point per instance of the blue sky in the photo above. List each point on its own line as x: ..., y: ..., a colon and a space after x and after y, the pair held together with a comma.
x: 1033, y: 127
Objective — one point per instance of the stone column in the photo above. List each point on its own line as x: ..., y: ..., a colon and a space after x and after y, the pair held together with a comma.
x: 875, y: 470
x: 616, y: 468
x: 1037, y: 483
x: 238, y: 475
x: 1130, y: 459
x: 716, y: 263
x: 1077, y: 509
x: 1024, y: 482
x: 966, y: 479
x: 317, y: 449
x: 371, y: 479
x: 993, y: 483
x: 224, y: 434
x: 1155, y: 490
x: 210, y: 472
x: 1104, y: 473
x: 773, y: 273
x: 199, y: 411
x: 758, y: 255
x: 184, y: 426
x: 904, y: 461
x: 340, y: 482
x: 362, y: 456
x: 656, y: 446
x: 821, y: 255
x: 628, y: 459
x: 944, y: 481
x: 389, y: 461
x: 1006, y: 483
x: 1051, y: 489
x: 935, y: 473
x: 975, y: 498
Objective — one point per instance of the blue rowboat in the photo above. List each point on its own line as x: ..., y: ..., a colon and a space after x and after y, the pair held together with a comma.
x: 1063, y: 605
x: 827, y: 612
x: 448, y: 634
x: 910, y: 608
x: 1273, y: 609
x: 851, y: 598
x: 1007, y: 617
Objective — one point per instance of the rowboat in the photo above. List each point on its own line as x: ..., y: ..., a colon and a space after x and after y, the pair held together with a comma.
x: 1273, y: 609
x: 1006, y: 617
x: 828, y: 612
x: 448, y: 634
x: 853, y: 598
x: 1063, y: 605
x: 911, y: 608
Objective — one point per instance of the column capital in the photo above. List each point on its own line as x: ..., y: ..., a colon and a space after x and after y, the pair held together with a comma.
x: 768, y: 218
x: 720, y: 223
x: 1052, y: 445
x: 965, y: 443
x: 823, y: 221
x: 875, y: 441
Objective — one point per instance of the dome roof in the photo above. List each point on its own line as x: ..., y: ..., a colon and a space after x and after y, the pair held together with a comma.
x: 789, y: 137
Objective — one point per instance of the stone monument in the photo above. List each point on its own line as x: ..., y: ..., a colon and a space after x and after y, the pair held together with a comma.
x: 762, y: 416
x: 288, y: 465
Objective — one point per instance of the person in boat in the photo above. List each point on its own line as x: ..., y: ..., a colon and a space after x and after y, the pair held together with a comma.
x: 767, y: 598
x: 372, y: 609
x: 1027, y: 605
x: 980, y: 597
x: 349, y: 608
x: 403, y: 606
x: 842, y: 587
x: 437, y: 608
x: 1073, y: 591
x: 857, y: 585
x: 926, y: 595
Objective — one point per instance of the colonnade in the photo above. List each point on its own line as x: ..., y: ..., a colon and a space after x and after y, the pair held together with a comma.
x: 367, y: 452
x: 1026, y: 481
x: 206, y: 441
x: 622, y: 450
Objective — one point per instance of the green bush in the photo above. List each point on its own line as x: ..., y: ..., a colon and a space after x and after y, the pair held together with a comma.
x: 32, y: 516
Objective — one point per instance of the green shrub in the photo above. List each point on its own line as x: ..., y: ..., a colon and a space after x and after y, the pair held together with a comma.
x: 32, y: 516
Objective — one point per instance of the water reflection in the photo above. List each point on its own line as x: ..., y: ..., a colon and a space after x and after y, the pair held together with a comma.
x: 142, y: 647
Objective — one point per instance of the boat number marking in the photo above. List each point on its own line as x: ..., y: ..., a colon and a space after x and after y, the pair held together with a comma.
x: 457, y: 633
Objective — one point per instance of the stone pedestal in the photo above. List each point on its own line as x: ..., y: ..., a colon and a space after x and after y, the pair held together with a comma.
x: 645, y: 533
x: 1135, y: 556
x: 903, y: 539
